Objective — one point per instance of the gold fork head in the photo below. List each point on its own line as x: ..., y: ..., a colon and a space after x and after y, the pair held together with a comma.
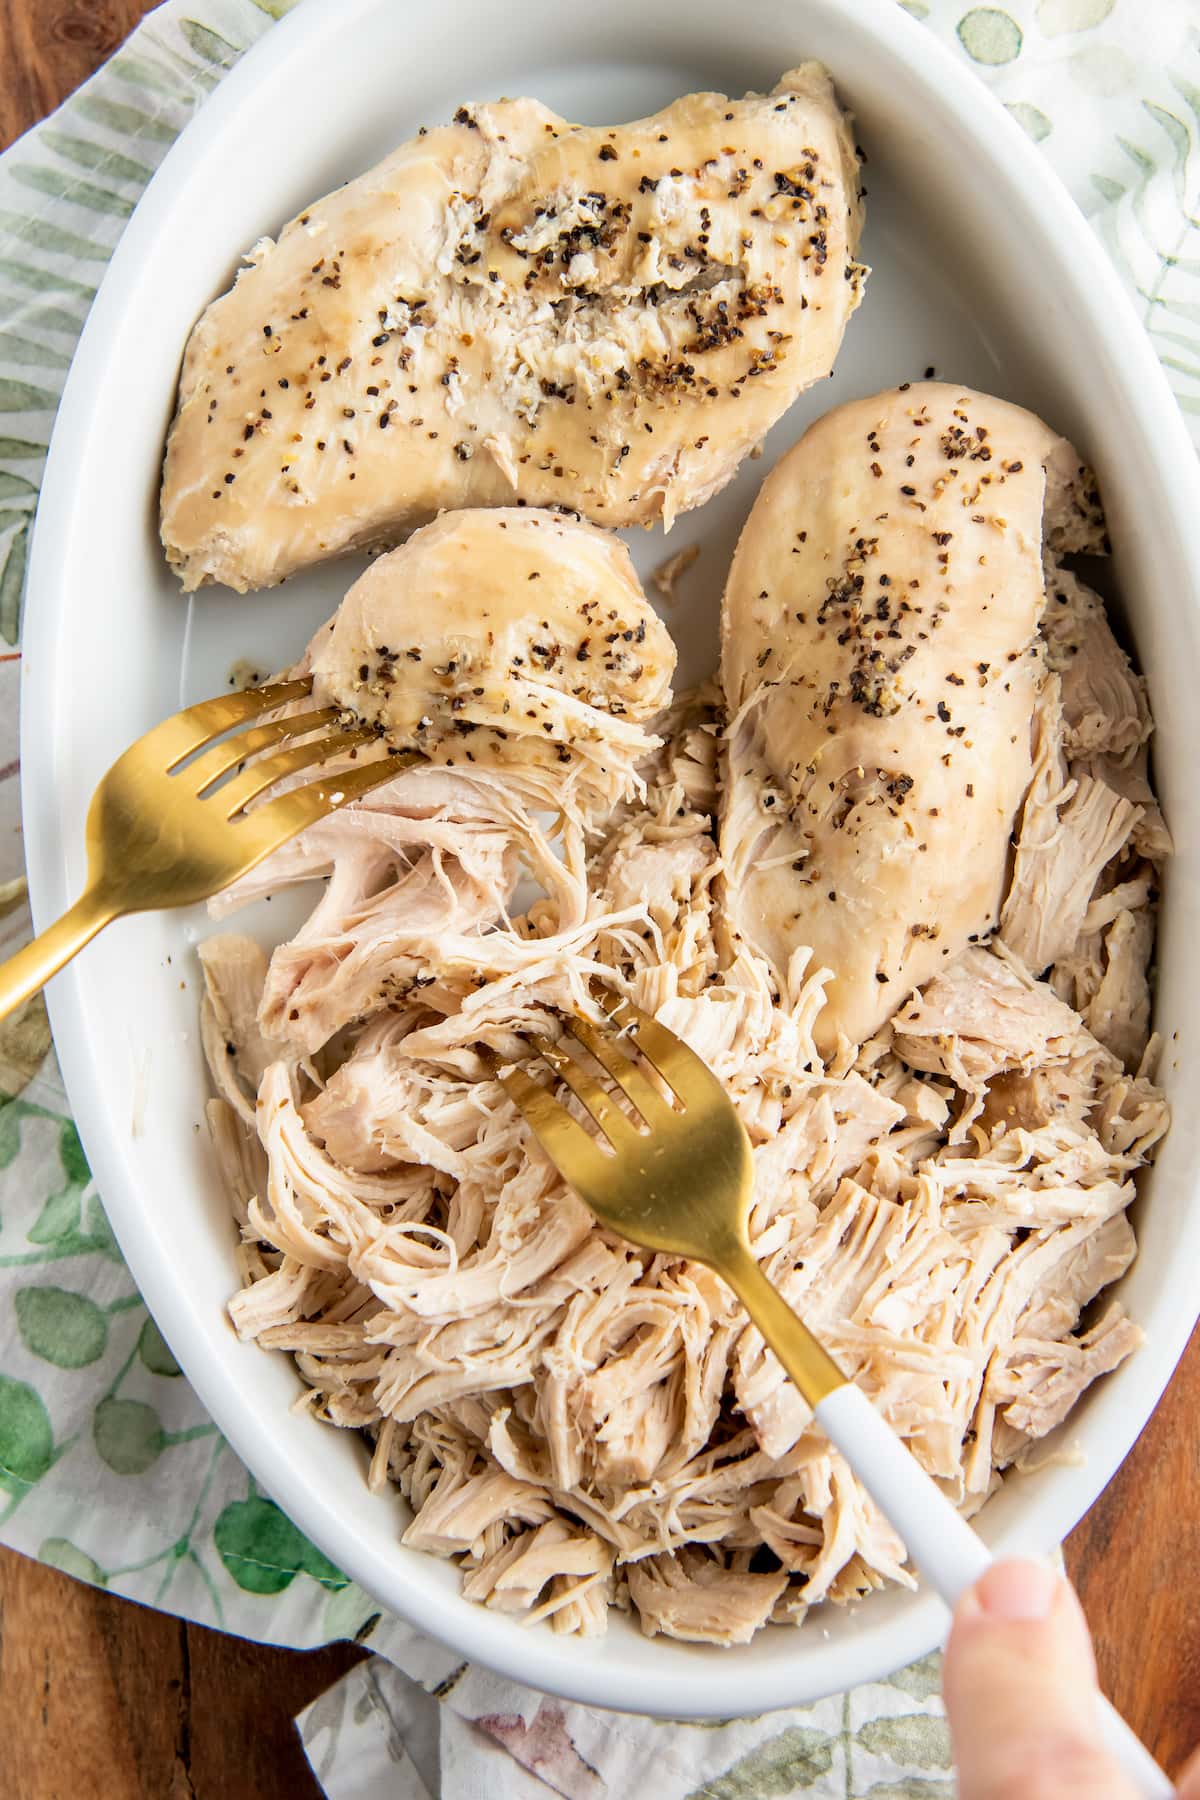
x: 673, y: 1174
x: 164, y: 829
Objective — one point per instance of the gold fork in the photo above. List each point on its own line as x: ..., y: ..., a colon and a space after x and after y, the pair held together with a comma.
x: 164, y: 829
x: 678, y: 1176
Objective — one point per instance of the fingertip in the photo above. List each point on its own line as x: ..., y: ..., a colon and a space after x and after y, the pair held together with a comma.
x: 1026, y: 1602
x: 1021, y: 1590
x: 1023, y: 1620
x: 1013, y: 1590
x: 1020, y: 1693
x: 1018, y: 1589
x: 1188, y: 1785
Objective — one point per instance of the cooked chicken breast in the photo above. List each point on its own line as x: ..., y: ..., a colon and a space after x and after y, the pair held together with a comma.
x: 882, y: 661
x: 513, y: 307
x: 502, y: 638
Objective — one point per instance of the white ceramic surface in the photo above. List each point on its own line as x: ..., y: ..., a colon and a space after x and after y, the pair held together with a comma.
x: 983, y: 270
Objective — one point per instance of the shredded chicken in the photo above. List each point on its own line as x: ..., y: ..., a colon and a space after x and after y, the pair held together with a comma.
x: 669, y: 573
x: 580, y: 1424
x: 1105, y: 708
x: 984, y: 1017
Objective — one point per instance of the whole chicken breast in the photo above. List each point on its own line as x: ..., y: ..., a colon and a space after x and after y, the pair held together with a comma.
x: 881, y: 661
x: 509, y: 308
x: 503, y: 638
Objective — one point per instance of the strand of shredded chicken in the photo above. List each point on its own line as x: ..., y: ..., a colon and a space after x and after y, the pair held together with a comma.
x: 582, y: 1425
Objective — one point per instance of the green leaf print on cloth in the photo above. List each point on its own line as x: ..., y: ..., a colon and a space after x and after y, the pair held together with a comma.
x: 1057, y: 16
x: 209, y: 45
x: 59, y: 1218
x: 990, y: 36
x: 10, y: 1134
x: 775, y: 1768
x: 1031, y: 120
x: 60, y: 1553
x: 63, y: 1328
x: 70, y: 1150
x: 913, y: 1787
x: 26, y: 1437
x: 920, y: 1680
x: 908, y: 1738
x: 110, y: 1470
x: 129, y: 1435
x: 264, y: 1551
x: 154, y: 1352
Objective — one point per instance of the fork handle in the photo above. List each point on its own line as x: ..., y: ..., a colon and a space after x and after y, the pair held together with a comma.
x: 949, y: 1554
x: 34, y: 964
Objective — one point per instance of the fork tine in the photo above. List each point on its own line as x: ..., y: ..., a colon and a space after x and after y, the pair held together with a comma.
x: 277, y: 820
x: 189, y: 730
x: 685, y: 1073
x: 238, y: 749
x: 264, y: 774
x: 629, y: 1078
x: 616, y: 1125
x: 563, y: 1138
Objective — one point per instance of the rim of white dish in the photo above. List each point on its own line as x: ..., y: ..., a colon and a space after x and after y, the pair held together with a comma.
x: 957, y: 105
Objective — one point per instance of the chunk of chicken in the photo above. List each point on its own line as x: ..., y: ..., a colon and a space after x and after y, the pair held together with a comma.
x: 1046, y: 1379
x: 517, y: 635
x: 687, y: 1596
x: 1105, y: 708
x: 458, y: 1517
x: 515, y: 307
x: 986, y: 1016
x: 1066, y: 841
x: 234, y: 971
x: 881, y: 661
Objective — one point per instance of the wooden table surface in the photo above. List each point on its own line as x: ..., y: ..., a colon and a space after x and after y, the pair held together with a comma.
x: 104, y: 1700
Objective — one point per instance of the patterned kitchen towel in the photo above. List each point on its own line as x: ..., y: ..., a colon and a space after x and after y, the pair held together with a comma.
x: 379, y: 1732
x: 109, y: 1468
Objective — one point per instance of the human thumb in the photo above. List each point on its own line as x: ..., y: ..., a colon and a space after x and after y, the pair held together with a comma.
x: 1020, y: 1689
x: 1189, y: 1780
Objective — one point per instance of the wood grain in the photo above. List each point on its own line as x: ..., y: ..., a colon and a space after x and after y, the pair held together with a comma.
x: 104, y: 1700
x: 1135, y: 1560
x: 47, y: 47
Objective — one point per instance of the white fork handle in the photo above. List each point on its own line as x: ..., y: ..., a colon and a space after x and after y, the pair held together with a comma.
x: 943, y: 1546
